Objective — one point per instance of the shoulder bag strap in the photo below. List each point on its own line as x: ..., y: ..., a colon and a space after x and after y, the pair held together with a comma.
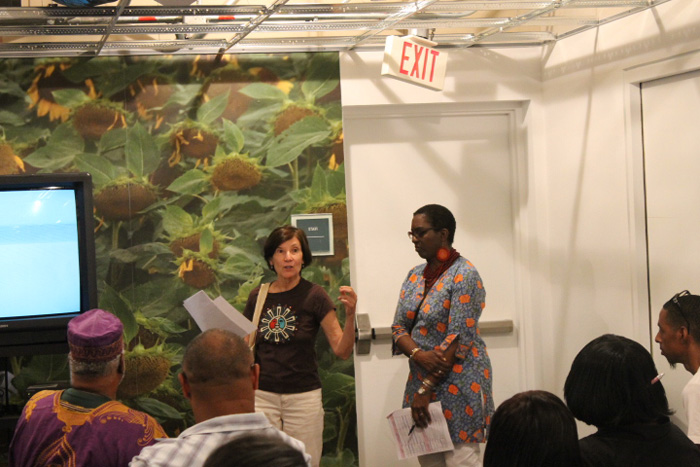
x: 262, y: 294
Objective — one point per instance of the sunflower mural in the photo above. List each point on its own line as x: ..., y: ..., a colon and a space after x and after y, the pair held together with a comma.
x: 194, y: 161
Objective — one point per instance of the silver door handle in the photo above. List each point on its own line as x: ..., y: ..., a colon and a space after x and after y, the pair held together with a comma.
x: 365, y: 333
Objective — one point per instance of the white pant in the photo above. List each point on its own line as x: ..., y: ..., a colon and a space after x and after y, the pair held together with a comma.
x: 299, y: 415
x: 464, y: 455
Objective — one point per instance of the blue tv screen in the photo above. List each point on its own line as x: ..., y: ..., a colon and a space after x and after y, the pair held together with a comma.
x: 39, y: 247
x: 47, y: 259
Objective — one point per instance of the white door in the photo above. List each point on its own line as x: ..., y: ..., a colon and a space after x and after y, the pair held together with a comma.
x: 671, y: 112
x: 399, y: 158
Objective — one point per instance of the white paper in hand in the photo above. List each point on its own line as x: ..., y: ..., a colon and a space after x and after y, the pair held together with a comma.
x: 217, y: 313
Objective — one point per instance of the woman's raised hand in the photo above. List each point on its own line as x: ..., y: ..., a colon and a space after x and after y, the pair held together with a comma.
x: 348, y: 298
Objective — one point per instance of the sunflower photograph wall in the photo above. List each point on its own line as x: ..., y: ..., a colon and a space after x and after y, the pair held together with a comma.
x: 194, y: 161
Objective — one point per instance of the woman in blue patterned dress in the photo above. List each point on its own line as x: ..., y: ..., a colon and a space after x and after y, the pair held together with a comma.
x: 436, y: 326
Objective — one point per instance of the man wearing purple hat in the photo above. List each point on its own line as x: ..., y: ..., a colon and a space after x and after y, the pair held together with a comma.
x: 84, y: 426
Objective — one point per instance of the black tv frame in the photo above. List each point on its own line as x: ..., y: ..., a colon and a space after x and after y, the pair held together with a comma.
x: 47, y: 334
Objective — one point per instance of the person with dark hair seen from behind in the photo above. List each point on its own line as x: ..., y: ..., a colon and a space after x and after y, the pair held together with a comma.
x: 613, y: 385
x: 679, y: 340
x: 255, y: 450
x: 533, y: 429
x: 290, y: 316
x: 84, y: 425
x: 436, y: 327
x: 219, y: 379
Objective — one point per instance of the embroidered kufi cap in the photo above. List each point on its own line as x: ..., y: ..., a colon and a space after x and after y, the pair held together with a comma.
x: 95, y: 336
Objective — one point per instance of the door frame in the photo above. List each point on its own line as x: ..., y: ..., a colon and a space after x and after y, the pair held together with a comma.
x: 633, y: 77
x: 532, y: 323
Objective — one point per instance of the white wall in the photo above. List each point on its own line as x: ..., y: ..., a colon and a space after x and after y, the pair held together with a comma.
x: 595, y: 286
x: 585, y: 267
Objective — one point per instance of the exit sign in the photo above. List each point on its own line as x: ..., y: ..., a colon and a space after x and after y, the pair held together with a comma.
x: 415, y: 59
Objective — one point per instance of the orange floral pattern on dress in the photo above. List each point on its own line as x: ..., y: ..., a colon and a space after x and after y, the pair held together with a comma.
x: 423, y: 331
x: 446, y: 304
x: 465, y: 298
x: 487, y: 373
x: 453, y: 389
x: 469, y: 411
x: 411, y: 314
x: 463, y: 435
x: 479, y: 284
x: 441, y: 327
x: 476, y: 387
x: 475, y: 352
x: 439, y: 286
x: 458, y: 278
x: 457, y: 368
x: 413, y: 278
x: 471, y: 322
x: 448, y: 414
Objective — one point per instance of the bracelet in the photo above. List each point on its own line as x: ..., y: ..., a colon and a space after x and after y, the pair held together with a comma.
x: 414, y: 352
x: 428, y: 383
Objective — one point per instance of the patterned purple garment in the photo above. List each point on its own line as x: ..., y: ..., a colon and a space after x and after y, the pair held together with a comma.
x: 53, y: 432
x: 452, y: 308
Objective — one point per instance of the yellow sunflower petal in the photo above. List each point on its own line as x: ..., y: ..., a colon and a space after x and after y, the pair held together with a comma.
x: 285, y: 86
x: 19, y: 162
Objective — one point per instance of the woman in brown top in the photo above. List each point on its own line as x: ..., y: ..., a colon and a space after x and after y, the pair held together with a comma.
x: 293, y: 312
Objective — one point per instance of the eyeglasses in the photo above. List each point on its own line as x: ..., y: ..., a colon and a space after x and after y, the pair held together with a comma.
x: 420, y: 233
x: 680, y: 308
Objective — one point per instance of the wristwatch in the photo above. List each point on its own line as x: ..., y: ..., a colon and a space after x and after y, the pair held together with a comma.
x: 414, y: 352
x: 422, y: 390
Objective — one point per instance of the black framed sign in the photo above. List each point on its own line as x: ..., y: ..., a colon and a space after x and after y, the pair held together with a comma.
x: 319, y: 230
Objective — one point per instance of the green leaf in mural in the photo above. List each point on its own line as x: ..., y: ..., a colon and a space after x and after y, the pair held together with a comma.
x: 343, y: 459
x: 233, y: 136
x: 192, y: 182
x: 11, y: 88
x: 70, y: 98
x: 259, y: 111
x: 158, y: 409
x: 185, y: 93
x: 302, y: 134
x: 210, y: 111
x: 64, y: 144
x: 335, y: 180
x: 321, y: 79
x: 206, y: 241
x: 142, y: 155
x: 176, y: 221
x: 113, y: 302
x: 101, y: 169
x: 112, y: 83
x: 263, y: 91
x: 10, y: 118
x: 211, y: 210
x: 112, y: 139
x: 47, y: 158
x: 84, y: 69
x: 319, y: 184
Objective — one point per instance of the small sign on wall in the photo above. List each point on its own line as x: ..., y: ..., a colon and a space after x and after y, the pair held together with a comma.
x: 414, y: 59
x: 319, y: 231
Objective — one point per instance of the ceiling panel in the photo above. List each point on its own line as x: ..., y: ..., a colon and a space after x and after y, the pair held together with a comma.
x: 45, y: 28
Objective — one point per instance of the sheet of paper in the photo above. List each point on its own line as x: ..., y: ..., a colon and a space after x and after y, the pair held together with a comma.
x: 217, y: 313
x: 434, y: 438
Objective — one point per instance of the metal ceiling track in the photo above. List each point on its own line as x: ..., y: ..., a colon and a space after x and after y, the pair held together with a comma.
x: 282, y: 26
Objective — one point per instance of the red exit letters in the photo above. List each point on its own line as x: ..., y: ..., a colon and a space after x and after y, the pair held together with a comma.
x: 420, y: 60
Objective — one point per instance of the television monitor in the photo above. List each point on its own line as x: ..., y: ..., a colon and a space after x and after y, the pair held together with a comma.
x: 47, y: 260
